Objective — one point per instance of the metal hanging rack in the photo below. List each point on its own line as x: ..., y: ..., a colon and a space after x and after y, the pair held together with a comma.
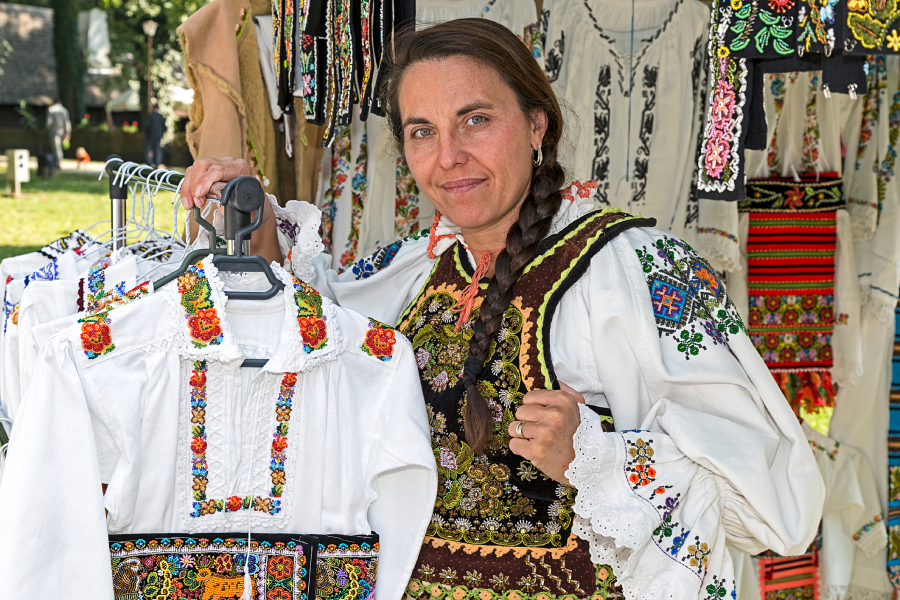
x: 123, y: 173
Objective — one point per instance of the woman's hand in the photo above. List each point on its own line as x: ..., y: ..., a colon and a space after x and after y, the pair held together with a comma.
x: 206, y: 178
x: 550, y: 419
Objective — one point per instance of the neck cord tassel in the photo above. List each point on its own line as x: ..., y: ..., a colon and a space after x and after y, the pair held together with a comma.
x: 467, y: 302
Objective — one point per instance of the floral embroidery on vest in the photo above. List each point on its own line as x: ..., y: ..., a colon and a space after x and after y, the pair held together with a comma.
x: 200, y: 313
x: 873, y: 24
x: 380, y: 340
x: 480, y: 498
x: 685, y: 290
x: 310, y: 317
x: 719, y: 157
x: 202, y: 505
x: 346, y: 571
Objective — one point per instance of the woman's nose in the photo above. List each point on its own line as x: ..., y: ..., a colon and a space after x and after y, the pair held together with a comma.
x: 452, y: 152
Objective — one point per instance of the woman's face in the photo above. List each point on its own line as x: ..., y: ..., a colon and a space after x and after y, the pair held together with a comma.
x: 468, y: 143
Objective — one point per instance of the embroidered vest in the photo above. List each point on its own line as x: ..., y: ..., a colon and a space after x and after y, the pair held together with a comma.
x: 497, y: 501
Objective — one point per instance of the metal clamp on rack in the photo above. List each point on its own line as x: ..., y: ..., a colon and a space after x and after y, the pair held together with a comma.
x: 118, y: 194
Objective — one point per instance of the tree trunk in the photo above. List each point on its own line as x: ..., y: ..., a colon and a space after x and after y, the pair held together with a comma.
x: 69, y: 57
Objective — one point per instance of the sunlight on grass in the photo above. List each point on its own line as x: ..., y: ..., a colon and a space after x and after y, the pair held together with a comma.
x: 50, y: 209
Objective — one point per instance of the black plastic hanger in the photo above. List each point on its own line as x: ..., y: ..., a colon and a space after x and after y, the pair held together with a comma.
x: 240, y: 198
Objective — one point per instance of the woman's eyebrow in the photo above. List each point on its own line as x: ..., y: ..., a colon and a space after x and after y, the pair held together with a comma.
x: 474, y: 106
x: 462, y: 111
x: 415, y: 121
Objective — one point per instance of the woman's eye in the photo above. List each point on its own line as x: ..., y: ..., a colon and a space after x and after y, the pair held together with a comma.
x: 421, y: 133
x: 476, y: 120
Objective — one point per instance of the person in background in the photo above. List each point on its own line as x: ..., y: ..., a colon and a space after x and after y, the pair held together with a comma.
x: 60, y: 128
x: 155, y: 128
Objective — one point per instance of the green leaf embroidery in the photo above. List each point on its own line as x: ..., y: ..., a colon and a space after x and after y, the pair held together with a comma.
x: 737, y: 45
x: 768, y: 18
x: 762, y: 39
x: 870, y: 32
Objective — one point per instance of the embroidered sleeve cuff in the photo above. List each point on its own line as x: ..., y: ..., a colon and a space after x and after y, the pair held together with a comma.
x: 872, y: 536
x: 650, y: 513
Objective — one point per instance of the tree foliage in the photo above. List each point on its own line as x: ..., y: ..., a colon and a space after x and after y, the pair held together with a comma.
x: 129, y: 46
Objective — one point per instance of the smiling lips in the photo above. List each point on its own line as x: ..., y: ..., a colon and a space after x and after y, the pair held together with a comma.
x: 461, y: 186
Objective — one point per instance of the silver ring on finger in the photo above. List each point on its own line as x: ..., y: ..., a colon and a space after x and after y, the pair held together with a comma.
x: 520, y: 425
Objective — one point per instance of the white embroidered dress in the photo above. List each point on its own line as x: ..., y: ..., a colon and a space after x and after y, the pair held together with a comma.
x: 729, y: 459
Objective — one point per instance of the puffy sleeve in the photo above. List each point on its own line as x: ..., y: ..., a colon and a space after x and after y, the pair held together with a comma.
x: 53, y: 514
x: 707, y: 448
x: 401, y: 474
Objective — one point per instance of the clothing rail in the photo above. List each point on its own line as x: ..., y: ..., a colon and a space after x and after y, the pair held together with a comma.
x: 121, y: 173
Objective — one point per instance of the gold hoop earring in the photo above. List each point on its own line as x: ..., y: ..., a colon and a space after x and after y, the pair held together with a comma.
x: 536, y: 160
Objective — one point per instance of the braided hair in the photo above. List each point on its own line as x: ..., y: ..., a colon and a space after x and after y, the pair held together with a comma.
x: 495, y: 46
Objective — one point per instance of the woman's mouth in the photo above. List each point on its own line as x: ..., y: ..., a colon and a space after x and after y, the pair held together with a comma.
x: 461, y: 186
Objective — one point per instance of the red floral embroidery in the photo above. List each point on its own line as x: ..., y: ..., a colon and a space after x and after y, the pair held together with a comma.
x: 279, y: 444
x: 205, y: 325
x: 198, y: 446
x: 196, y: 299
x: 96, y: 339
x: 794, y: 198
x: 280, y: 567
x: 380, y: 342
x: 198, y: 379
x: 642, y: 475
x: 314, y: 332
x: 234, y: 503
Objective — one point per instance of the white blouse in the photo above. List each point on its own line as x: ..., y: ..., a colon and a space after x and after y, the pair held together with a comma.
x: 729, y: 461
x: 158, y: 399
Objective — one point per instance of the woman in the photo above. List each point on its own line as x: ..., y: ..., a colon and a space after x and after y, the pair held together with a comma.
x: 575, y: 317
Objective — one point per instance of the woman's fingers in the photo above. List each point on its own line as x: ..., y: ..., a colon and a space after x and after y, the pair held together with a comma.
x: 208, y: 176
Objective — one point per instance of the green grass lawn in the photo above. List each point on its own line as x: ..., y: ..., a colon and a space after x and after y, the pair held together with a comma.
x: 50, y: 209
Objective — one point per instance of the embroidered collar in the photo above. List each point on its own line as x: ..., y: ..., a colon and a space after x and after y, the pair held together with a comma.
x: 578, y: 199
x: 309, y: 334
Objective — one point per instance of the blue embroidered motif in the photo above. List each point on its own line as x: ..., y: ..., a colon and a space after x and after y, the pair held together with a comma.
x: 49, y: 272
x: 369, y: 265
x: 668, y: 301
x: 688, y: 297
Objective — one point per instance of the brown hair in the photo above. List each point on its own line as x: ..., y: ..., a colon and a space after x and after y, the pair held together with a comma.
x: 495, y: 46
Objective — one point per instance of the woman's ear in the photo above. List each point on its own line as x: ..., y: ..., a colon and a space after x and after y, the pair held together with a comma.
x: 538, y: 127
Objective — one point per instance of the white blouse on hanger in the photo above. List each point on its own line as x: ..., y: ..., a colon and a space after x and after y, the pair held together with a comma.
x: 159, y: 409
x: 730, y: 459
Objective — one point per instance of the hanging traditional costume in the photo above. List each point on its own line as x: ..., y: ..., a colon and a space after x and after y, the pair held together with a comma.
x: 642, y: 100
x: 640, y: 325
x: 319, y: 457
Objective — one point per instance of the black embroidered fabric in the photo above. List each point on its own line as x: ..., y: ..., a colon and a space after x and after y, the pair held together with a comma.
x: 213, y: 565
